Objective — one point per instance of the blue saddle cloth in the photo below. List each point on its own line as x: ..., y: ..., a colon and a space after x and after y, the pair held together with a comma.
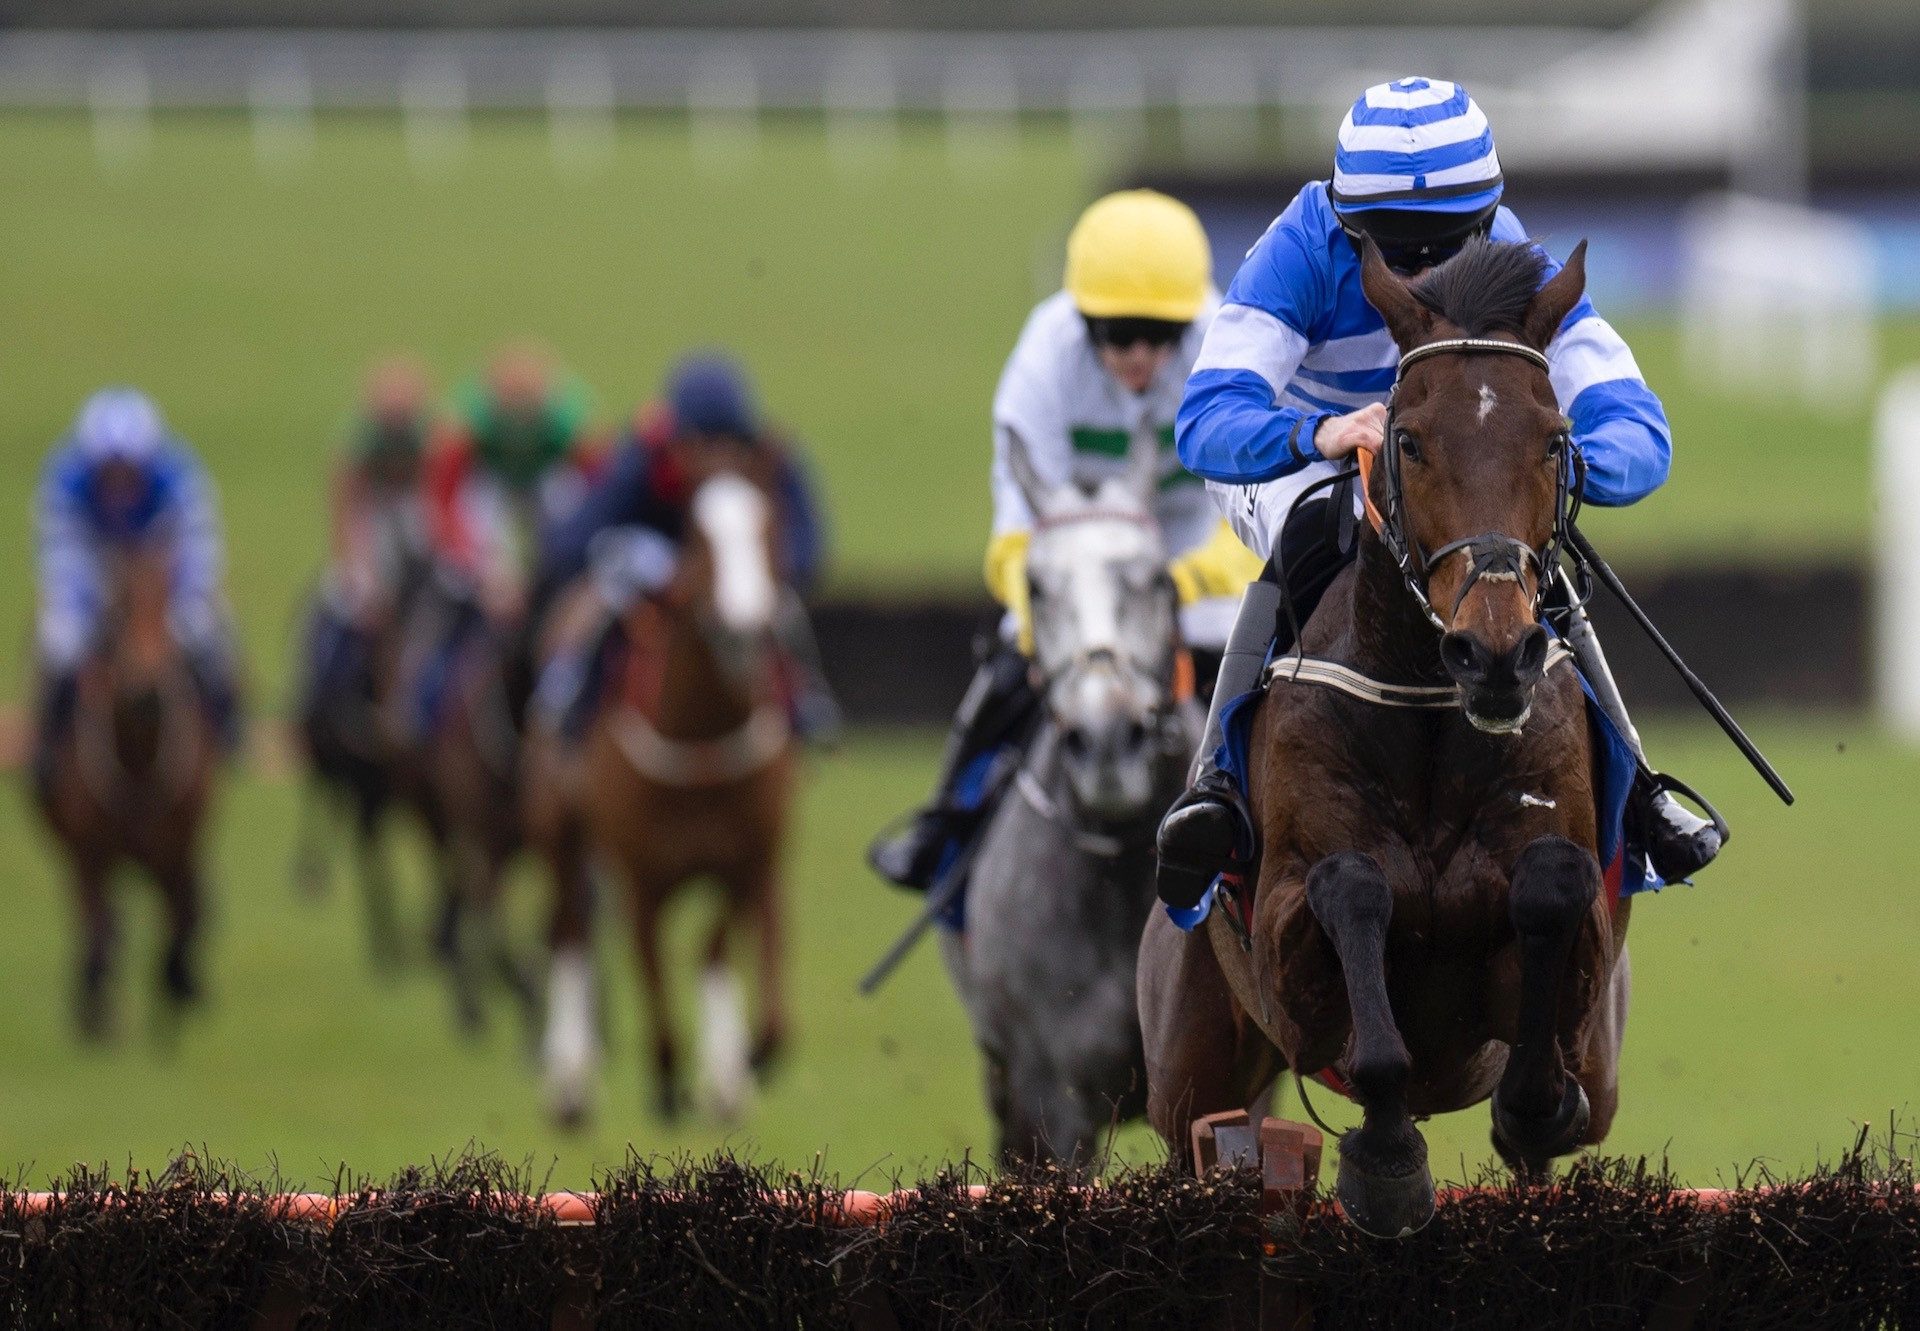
x: 1623, y: 865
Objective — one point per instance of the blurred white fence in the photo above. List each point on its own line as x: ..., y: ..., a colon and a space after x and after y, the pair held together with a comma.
x: 1779, y: 299
x: 1897, y: 573
x: 1713, y: 84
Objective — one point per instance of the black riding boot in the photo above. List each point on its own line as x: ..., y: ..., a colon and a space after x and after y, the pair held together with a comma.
x: 1680, y: 843
x: 1210, y: 825
x: 999, y: 707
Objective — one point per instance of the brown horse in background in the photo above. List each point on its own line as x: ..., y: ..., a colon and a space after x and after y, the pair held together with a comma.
x: 469, y: 769
x: 131, y: 779
x: 686, y: 773
x: 1428, y: 922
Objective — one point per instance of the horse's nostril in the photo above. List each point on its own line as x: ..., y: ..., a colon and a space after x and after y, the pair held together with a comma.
x: 1461, y: 656
x: 1532, y: 654
x: 1075, y: 743
x: 1136, y: 734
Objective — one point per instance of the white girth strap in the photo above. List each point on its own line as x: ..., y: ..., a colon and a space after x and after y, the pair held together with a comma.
x: 1345, y: 679
x: 696, y: 763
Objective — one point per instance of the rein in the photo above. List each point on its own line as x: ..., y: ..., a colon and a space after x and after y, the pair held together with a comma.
x: 1493, y: 555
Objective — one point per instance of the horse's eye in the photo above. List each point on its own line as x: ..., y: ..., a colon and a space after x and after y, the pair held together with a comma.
x: 1558, y: 445
x: 1407, y: 444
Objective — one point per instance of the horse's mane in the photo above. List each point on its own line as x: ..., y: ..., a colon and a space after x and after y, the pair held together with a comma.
x: 1486, y: 287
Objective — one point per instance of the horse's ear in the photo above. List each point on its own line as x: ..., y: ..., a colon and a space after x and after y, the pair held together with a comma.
x: 1143, y: 464
x: 1025, y: 474
x: 1554, y: 301
x: 1407, y: 319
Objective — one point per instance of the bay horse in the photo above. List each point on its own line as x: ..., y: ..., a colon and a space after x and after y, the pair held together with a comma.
x: 1427, y: 925
x: 131, y: 780
x: 1063, y: 880
x: 687, y: 772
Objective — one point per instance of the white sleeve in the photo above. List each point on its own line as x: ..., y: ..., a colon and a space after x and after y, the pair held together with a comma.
x: 1029, y: 402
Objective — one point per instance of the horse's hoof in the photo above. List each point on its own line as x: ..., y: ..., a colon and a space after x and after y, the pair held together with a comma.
x: 767, y: 1051
x: 570, y: 1114
x: 1387, y: 1205
x: 181, y: 985
x: 1527, y: 1144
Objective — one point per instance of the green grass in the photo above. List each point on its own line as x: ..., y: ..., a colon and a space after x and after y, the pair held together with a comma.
x: 876, y: 305
x: 1773, y: 1008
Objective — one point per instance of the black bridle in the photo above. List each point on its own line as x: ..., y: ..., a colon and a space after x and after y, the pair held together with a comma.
x: 1492, y: 554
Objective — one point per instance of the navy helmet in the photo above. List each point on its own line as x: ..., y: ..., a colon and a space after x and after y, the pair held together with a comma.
x: 710, y: 394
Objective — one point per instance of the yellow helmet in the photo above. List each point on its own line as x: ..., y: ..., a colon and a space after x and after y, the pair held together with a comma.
x: 1139, y: 254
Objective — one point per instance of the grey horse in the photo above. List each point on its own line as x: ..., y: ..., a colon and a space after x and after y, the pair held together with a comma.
x: 1063, y: 880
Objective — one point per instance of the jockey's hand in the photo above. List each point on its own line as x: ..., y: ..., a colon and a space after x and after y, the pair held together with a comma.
x: 1337, y: 437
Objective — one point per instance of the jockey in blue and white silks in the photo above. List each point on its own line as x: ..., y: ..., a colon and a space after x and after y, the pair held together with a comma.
x: 1294, y: 376
x: 119, y: 478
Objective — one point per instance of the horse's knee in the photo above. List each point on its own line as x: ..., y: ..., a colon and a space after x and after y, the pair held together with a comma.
x: 1346, y: 891
x: 1554, y: 886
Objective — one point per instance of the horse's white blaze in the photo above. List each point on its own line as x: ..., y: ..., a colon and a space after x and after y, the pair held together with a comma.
x: 733, y: 516
x: 570, y: 1050
x: 1487, y: 402
x: 725, y: 1076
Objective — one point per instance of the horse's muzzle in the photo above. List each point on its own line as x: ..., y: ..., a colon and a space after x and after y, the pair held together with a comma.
x: 1496, y: 689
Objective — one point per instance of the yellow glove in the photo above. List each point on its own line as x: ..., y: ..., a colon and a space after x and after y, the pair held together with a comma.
x: 1219, y: 566
x: 1006, y: 574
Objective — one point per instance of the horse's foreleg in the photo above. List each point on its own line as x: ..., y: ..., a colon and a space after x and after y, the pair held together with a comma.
x: 1539, y: 1111
x: 179, y: 977
x: 770, y: 943
x: 376, y: 885
x: 666, y: 1052
x: 1598, y: 1066
x: 1201, y: 1056
x: 570, y: 1051
x: 1384, y: 1186
x: 99, y: 937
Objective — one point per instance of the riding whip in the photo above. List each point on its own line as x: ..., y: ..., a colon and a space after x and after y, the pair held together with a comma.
x: 1591, y: 557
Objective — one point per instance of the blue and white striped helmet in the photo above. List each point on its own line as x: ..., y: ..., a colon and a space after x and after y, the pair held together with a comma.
x: 119, y: 424
x: 1416, y: 145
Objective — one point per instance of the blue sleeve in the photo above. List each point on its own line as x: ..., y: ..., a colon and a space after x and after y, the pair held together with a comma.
x: 1231, y: 425
x: 199, y: 554
x: 68, y: 572
x: 804, y: 528
x: 1619, y: 425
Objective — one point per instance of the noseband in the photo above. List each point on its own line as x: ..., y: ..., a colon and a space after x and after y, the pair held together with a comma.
x: 1494, y: 555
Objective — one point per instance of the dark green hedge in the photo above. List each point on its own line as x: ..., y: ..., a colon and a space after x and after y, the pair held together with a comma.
x: 725, y: 1243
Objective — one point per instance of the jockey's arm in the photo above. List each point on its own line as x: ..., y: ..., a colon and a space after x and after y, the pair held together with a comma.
x: 1219, y: 566
x: 1619, y: 425
x: 70, y: 576
x: 1028, y: 403
x: 1231, y: 427
x: 199, y: 557
x: 804, y: 530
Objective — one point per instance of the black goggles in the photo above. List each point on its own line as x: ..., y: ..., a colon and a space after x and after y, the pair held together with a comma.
x: 1411, y: 242
x: 1123, y: 333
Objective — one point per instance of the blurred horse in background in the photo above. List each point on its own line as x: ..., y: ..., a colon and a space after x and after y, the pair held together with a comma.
x: 130, y: 780
x: 470, y: 762
x: 347, y: 667
x: 1063, y: 880
x: 686, y: 772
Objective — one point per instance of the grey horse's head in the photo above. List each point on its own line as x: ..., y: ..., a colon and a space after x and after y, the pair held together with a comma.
x: 1105, y: 628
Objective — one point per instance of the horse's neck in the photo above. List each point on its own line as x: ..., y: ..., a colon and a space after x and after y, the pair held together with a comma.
x: 698, y: 698
x: 1388, y: 636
